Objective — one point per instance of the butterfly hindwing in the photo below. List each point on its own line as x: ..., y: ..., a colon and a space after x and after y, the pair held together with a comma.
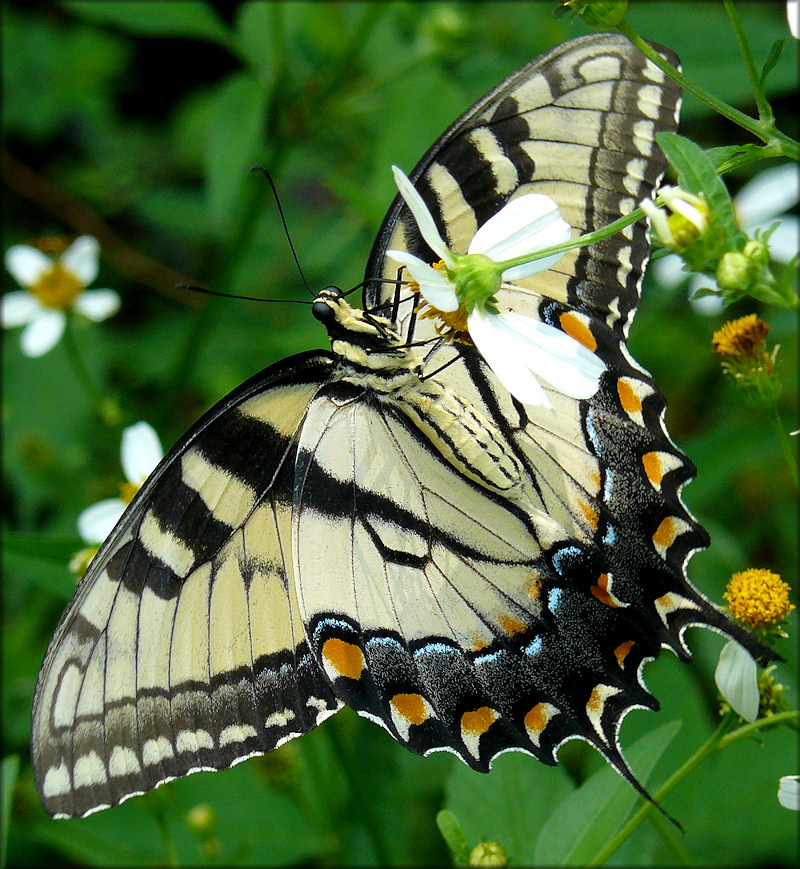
x: 183, y: 647
x: 427, y: 588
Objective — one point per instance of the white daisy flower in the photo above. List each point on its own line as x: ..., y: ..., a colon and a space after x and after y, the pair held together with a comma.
x: 763, y: 200
x: 789, y: 792
x: 520, y: 350
x: 793, y: 20
x: 140, y: 453
x: 737, y: 679
x: 53, y: 286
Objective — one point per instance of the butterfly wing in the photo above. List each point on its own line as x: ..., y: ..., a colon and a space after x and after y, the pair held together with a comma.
x: 434, y: 606
x: 183, y: 648
x: 579, y: 125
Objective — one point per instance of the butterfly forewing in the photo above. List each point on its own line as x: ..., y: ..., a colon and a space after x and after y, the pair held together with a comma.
x: 183, y: 647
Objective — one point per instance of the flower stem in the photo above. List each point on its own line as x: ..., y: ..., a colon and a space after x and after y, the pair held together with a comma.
x: 721, y: 738
x: 764, y: 108
x: 106, y: 406
x: 582, y: 240
x: 787, y: 446
x: 779, y: 143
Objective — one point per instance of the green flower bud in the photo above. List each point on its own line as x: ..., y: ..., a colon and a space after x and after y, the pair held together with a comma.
x: 734, y: 271
x: 488, y: 854
x: 757, y: 252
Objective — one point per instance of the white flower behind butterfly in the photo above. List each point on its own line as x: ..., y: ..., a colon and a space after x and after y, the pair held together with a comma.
x: 141, y: 451
x: 520, y: 351
x: 53, y: 286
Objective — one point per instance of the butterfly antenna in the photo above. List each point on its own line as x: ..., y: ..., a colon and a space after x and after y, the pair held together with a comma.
x: 206, y: 292
x: 265, y: 172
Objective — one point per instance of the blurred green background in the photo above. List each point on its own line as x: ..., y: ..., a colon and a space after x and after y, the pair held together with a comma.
x: 138, y: 123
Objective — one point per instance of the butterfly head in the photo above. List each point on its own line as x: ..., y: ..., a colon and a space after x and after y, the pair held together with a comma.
x: 360, y: 338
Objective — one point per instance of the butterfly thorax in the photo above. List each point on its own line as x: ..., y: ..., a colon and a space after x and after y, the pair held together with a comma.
x: 370, y: 356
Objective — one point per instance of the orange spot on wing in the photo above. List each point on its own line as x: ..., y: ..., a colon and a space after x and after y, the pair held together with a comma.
x: 665, y: 533
x: 652, y: 467
x: 511, y: 625
x: 621, y: 652
x: 411, y: 707
x: 534, y: 585
x: 577, y: 329
x: 601, y: 592
x: 595, y: 703
x: 536, y: 719
x: 345, y: 658
x: 478, y: 722
x: 592, y: 516
x: 631, y: 403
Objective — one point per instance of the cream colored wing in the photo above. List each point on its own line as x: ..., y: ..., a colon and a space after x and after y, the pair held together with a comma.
x: 183, y: 648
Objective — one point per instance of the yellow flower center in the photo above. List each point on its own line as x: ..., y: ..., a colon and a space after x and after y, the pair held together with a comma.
x: 128, y: 490
x: 758, y: 597
x: 451, y: 325
x: 57, y: 288
x: 742, y: 338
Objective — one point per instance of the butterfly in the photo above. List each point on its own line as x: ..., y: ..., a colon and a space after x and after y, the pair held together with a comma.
x: 383, y: 525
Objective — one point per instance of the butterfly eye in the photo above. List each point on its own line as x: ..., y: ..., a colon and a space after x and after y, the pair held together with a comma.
x: 323, y: 312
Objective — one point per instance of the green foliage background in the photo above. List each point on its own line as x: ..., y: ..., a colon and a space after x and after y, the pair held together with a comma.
x: 138, y: 123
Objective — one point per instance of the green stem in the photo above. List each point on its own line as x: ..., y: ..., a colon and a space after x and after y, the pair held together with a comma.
x: 787, y: 446
x: 106, y: 406
x: 582, y: 240
x: 719, y: 739
x: 764, y: 108
x: 780, y: 143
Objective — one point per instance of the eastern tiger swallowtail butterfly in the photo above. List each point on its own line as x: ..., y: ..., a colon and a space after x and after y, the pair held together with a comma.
x: 390, y: 530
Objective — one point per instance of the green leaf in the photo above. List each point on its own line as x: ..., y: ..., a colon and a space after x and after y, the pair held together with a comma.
x: 235, y: 138
x: 772, y: 58
x: 594, y: 813
x: 726, y: 158
x: 164, y: 18
x: 8, y: 778
x: 453, y: 834
x: 255, y: 27
x: 509, y: 806
x: 696, y: 174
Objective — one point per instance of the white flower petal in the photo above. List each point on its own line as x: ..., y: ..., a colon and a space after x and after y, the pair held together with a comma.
x: 523, y: 226
x: 493, y: 345
x: 27, y: 264
x: 669, y: 270
x: 82, y: 258
x: 737, y: 680
x: 18, y: 308
x: 659, y: 222
x: 435, y: 286
x: 707, y: 306
x: 95, y: 523
x: 793, y: 17
x: 43, y: 332
x: 97, y: 305
x: 140, y: 453
x: 767, y: 195
x: 423, y: 217
x: 552, y: 355
x: 789, y: 792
